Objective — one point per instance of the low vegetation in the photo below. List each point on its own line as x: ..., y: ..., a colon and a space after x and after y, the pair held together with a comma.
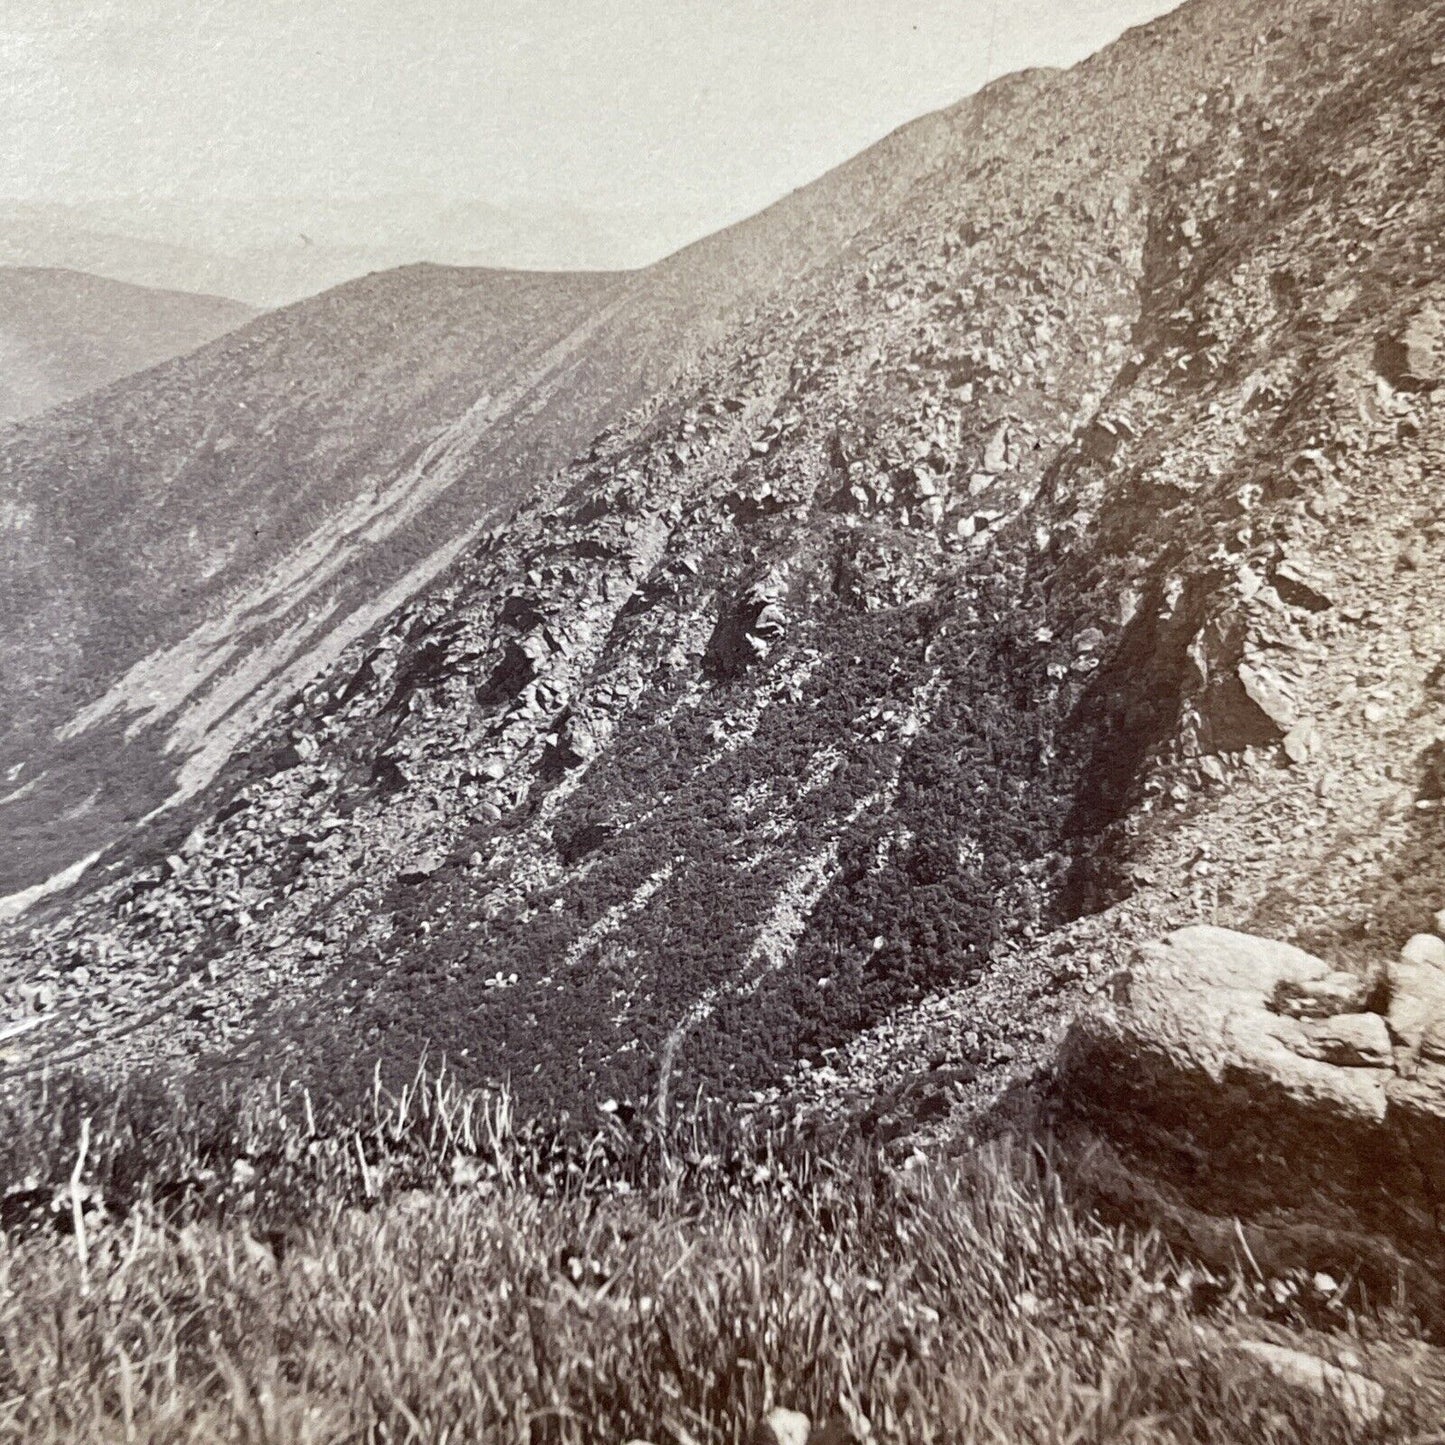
x: 251, y: 1273
x: 839, y: 804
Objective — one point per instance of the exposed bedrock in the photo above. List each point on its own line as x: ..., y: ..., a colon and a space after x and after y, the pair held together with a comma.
x: 1254, y: 1100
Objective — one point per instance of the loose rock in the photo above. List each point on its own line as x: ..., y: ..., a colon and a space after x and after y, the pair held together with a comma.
x: 1269, y: 694
x: 1425, y: 948
x: 1360, y: 1397
x: 783, y: 1427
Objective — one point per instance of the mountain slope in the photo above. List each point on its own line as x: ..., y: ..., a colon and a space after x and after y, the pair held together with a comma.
x: 150, y: 647
x: 64, y: 333
x: 156, y: 526
x: 1051, y: 559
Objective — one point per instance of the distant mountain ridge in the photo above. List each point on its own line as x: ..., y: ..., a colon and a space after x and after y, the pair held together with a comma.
x: 64, y: 333
x: 273, y: 251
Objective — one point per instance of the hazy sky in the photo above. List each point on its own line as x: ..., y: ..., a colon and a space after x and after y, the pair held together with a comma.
x: 702, y: 106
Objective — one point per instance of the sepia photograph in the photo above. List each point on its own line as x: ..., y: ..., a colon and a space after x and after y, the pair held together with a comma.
x: 722, y: 723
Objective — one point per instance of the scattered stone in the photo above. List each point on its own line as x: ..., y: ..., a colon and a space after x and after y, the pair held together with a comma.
x: 1413, y: 358
x: 424, y: 867
x: 1302, y: 742
x: 995, y: 451
x: 37, y: 998
x: 1417, y: 1007
x: 1268, y: 693
x: 1301, y: 585
x: 1412, y: 556
x: 783, y: 1427
x: 1360, y: 1397
x: 1214, y: 770
x: 770, y: 622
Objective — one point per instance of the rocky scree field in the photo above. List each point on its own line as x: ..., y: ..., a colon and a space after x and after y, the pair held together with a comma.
x: 1059, y: 551
x: 188, y: 550
x: 173, y: 542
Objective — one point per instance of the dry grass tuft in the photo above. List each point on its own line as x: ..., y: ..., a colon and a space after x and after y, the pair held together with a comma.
x: 583, y: 1293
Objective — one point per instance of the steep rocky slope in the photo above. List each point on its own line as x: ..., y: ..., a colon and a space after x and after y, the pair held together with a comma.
x: 167, y: 541
x: 1055, y: 561
x: 63, y: 333
x: 187, y: 548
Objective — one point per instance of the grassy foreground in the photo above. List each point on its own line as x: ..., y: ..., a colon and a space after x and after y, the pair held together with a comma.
x: 537, y: 1294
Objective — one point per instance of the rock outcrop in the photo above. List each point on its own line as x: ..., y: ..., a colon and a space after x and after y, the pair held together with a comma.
x: 1413, y: 357
x: 1245, y: 1093
x: 1361, y: 1398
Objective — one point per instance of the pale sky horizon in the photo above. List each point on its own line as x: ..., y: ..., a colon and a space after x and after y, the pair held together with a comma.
x: 678, y: 106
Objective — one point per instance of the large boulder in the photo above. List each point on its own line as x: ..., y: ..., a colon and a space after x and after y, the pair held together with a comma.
x: 1243, y: 1095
